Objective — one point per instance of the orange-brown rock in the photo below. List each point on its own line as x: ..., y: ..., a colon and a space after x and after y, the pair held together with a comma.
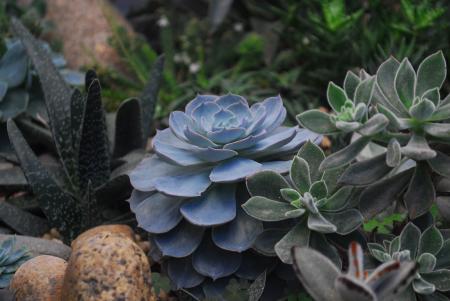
x: 107, y: 267
x: 39, y: 279
x: 112, y: 229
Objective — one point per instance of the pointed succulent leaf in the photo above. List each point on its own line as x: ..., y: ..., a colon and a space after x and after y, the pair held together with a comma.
x: 422, y: 286
x: 365, y: 172
x: 348, y: 126
x: 374, y: 125
x: 57, y: 94
x: 393, y: 153
x: 128, y: 131
x: 182, y: 273
x: 298, y: 236
x: 314, y: 155
x: 77, y: 110
x: 336, y: 97
x: 405, y: 82
x: 360, y: 111
x: 440, y: 130
x: 409, y: 239
x: 267, y: 184
x: 431, y: 73
x: 421, y: 192
x: 14, y: 104
x: 441, y: 113
x: 345, y: 155
x: 378, y: 196
x: 338, y: 200
x: 319, y: 190
x: 234, y: 170
x: 318, y: 222
x: 316, y: 272
x: 418, y: 148
x: 351, y: 81
x: 426, y: 262
x: 331, y: 176
x: 378, y: 251
x: 94, y: 141
x: 149, y: 96
x: 364, y: 91
x: 395, y: 122
x: 433, y: 95
x: 440, y: 278
x: 267, y: 210
x: 442, y: 258
x: 345, y: 221
x: 300, y: 174
x: 431, y: 241
x: 423, y: 109
x: 295, y: 213
x: 317, y: 121
x: 395, y: 245
x: 290, y: 194
x: 59, y: 206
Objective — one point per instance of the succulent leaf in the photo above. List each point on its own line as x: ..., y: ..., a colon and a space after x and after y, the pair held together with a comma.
x: 336, y: 97
x: 405, y: 82
x: 317, y: 121
x: 431, y: 73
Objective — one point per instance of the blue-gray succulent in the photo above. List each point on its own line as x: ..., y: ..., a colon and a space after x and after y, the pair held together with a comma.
x: 188, y: 193
x: 308, y: 198
x: 431, y: 253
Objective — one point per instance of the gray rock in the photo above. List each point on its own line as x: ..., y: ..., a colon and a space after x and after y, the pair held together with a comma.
x: 39, y: 246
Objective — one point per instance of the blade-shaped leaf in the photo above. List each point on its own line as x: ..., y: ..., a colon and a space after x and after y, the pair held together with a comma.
x: 366, y: 172
x: 405, y: 82
x: 298, y: 236
x: 128, y: 135
x: 336, y: 97
x: 267, y: 184
x: 421, y: 193
x: 431, y: 73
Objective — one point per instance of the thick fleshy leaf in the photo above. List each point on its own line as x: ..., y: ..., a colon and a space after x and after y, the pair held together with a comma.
x: 300, y: 138
x: 267, y: 210
x: 298, y: 236
x: 14, y: 65
x: 181, y: 241
x: 393, y: 153
x: 234, y: 170
x: 3, y: 89
x: 314, y: 155
x: 365, y: 172
x: 14, y: 104
x: 422, y: 110
x: 317, y: 222
x: 266, y: 241
x: 433, y: 95
x: 381, y: 194
x: 281, y: 167
x: 276, y: 113
x: 274, y: 141
x: 319, y: 190
x: 442, y: 258
x: 239, y: 235
x: 217, y: 206
x: 188, y: 185
x: 267, y: 184
x: 214, y: 262
x: 348, y: 127
x: 426, y: 262
x: 431, y: 73
x: 345, y: 155
x: 405, y: 82
x: 431, y: 241
x: 374, y: 125
x: 230, y: 99
x: 317, y: 121
x: 338, y: 200
x: 129, y: 133
x: 423, y: 287
x: 440, y: 278
x: 364, y: 91
x: 224, y: 136
x: 418, y: 148
x: 351, y: 81
x: 182, y: 273
x: 421, y: 192
x: 300, y: 174
x: 198, y: 139
x: 345, y: 221
x: 316, y: 272
x: 156, y: 212
x: 336, y: 97
x: 178, y: 123
x: 409, y: 239
x: 440, y: 130
x: 199, y: 99
x: 203, y: 115
x: 440, y: 164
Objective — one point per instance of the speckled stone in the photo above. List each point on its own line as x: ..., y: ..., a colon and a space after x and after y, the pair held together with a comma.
x: 112, y: 229
x: 39, y: 279
x: 107, y: 267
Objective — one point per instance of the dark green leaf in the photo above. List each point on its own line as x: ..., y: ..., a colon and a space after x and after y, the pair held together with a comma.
x: 366, y: 172
x: 421, y: 193
x: 317, y: 121
x: 364, y: 91
x: 431, y: 241
x: 267, y: 210
x: 300, y: 174
x: 297, y: 236
x: 128, y: 135
x: 351, y: 81
x: 409, y: 239
x: 336, y: 97
x: 431, y: 73
x: 267, y: 184
x: 405, y: 81
x: 440, y: 164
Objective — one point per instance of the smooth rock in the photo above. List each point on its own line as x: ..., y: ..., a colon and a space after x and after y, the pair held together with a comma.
x: 39, y: 279
x: 107, y: 267
x: 112, y: 229
x: 39, y: 246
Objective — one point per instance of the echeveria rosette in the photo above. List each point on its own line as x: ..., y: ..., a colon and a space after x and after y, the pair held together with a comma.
x: 324, y: 281
x: 407, y: 117
x: 188, y: 194
x: 431, y: 253
x: 309, y: 198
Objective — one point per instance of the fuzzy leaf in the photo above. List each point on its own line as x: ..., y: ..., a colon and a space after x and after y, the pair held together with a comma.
x: 393, y: 153
x: 345, y: 155
x: 128, y: 135
x: 422, y: 110
x: 314, y: 155
x: 405, y: 81
x: 60, y: 207
x: 267, y: 210
x: 365, y: 172
x: 440, y: 130
x: 426, y: 262
x: 421, y: 193
x: 300, y: 174
x: 351, y: 81
x: 267, y: 184
x: 319, y: 190
x: 433, y: 95
x: 409, y: 239
x: 364, y: 91
x: 94, y: 141
x: 431, y: 241
x: 317, y: 121
x: 298, y: 236
x: 256, y: 290
x: 431, y: 73
x: 336, y: 97
x: 338, y: 200
x: 440, y: 278
x: 418, y: 148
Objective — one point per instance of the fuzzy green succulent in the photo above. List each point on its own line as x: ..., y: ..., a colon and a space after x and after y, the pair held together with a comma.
x: 308, y: 197
x: 429, y: 250
x: 402, y: 112
x: 10, y: 260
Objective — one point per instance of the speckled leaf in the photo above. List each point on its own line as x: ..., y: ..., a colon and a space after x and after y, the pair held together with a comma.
x: 12, y: 179
x: 149, y: 96
x: 60, y: 207
x: 128, y: 135
x: 57, y: 94
x: 22, y: 221
x: 94, y: 141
